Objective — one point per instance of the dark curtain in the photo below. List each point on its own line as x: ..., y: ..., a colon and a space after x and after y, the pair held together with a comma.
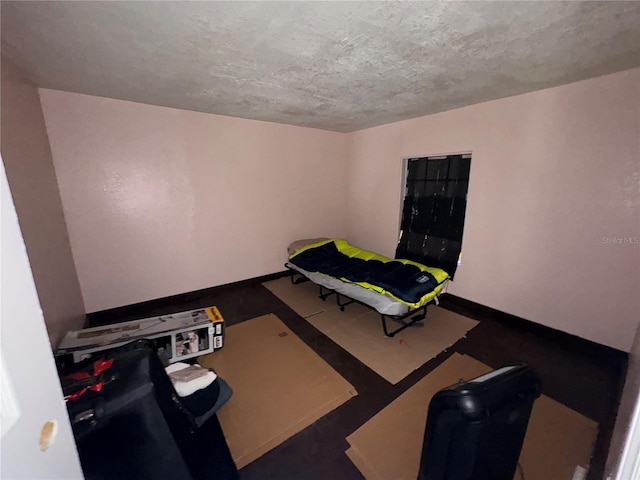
x: 433, y: 213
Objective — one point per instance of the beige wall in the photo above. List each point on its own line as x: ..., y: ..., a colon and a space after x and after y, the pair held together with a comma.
x: 554, y: 176
x: 161, y: 201
x: 32, y: 179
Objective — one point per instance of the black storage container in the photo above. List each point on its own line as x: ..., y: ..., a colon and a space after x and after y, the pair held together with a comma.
x: 129, y: 423
x: 475, y: 429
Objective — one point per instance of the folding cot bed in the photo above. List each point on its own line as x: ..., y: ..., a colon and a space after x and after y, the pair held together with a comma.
x: 396, y: 288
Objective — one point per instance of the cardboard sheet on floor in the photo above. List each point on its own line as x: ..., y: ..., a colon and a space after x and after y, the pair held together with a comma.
x: 280, y: 386
x: 358, y: 330
x: 302, y: 298
x: 390, y: 444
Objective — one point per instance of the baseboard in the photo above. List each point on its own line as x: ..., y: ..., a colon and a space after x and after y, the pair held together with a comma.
x: 460, y: 305
x: 481, y: 312
x: 142, y: 309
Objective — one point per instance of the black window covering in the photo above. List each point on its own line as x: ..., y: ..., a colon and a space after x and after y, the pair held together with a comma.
x: 433, y: 212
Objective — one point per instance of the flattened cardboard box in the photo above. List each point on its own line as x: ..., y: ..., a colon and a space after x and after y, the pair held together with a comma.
x: 558, y: 439
x: 358, y: 330
x: 280, y: 386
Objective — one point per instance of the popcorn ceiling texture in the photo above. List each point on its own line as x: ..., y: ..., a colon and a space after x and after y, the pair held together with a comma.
x: 340, y: 66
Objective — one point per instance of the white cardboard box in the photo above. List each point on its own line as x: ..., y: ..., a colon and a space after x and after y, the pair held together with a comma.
x: 178, y: 336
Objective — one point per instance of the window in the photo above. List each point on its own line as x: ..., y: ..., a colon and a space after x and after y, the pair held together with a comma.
x: 433, y: 211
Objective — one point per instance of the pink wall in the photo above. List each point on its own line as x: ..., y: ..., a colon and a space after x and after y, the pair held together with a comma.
x: 32, y: 179
x: 554, y: 174
x: 161, y: 201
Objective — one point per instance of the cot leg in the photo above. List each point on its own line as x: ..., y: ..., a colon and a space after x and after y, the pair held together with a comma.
x: 296, y: 281
x: 414, y: 319
x: 323, y: 296
x: 343, y: 304
x: 420, y: 316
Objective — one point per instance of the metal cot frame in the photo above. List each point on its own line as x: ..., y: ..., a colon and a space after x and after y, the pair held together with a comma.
x: 415, y: 316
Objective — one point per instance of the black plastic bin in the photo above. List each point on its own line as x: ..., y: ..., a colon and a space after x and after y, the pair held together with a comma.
x: 136, y: 426
x: 475, y: 429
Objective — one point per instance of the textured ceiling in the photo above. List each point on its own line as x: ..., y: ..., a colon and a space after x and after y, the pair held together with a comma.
x: 338, y: 66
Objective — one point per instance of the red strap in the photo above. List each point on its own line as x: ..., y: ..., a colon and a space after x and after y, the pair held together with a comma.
x: 97, y: 387
x: 75, y: 395
x: 101, y: 365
